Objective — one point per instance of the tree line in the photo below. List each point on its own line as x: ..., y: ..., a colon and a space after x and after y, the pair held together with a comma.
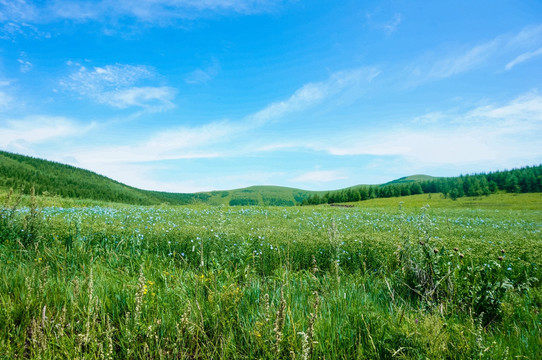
x: 524, y: 180
x: 50, y: 178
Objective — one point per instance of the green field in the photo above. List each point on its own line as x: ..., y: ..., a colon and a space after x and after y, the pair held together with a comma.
x: 501, y: 201
x: 385, y: 279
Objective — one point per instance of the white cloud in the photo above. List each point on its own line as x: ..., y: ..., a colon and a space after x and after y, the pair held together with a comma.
x: 471, y: 58
x: 202, y: 76
x: 5, y: 100
x: 212, y: 140
x: 429, y: 118
x: 22, y: 134
x: 527, y: 38
x: 320, y: 176
x: 526, y: 108
x: 17, y: 10
x: 114, y: 85
x: 153, y: 98
x: 153, y: 11
x: 314, y: 93
x: 118, y: 75
x: 176, y: 143
x: 383, y: 21
x: 25, y: 65
x: 523, y: 57
x: 498, y: 134
x: 444, y: 64
x: 11, y: 30
x: 389, y: 26
x: 143, y: 176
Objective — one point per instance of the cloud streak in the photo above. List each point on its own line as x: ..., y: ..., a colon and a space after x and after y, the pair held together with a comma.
x: 202, y: 76
x: 523, y: 58
x: 320, y: 176
x: 497, y: 50
x: 496, y: 134
x: 218, y: 139
x: 176, y: 143
x: 115, y: 85
x: 314, y: 93
x: 149, y: 11
x: 23, y: 134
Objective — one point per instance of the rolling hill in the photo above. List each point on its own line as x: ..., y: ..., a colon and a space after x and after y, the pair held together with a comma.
x: 55, y: 179
x: 410, y: 179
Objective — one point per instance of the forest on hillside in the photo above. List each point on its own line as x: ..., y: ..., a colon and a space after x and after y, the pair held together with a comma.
x: 22, y: 173
x: 524, y: 180
x: 54, y: 179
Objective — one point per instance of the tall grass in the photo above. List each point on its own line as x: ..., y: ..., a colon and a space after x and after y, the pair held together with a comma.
x: 245, y: 283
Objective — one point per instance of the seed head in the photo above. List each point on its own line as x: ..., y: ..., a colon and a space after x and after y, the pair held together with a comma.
x: 502, y: 251
x: 456, y: 249
x: 500, y: 258
x: 461, y: 255
x: 422, y: 243
x: 435, y: 250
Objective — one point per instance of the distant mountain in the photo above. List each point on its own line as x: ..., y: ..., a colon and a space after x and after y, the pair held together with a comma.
x: 410, y: 179
x: 52, y: 178
x: 56, y: 179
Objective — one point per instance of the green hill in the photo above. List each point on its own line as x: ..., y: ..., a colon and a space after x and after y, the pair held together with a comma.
x: 47, y: 177
x: 410, y: 179
x: 54, y: 179
x: 260, y: 195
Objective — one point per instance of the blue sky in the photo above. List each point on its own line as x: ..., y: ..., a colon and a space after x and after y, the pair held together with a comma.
x: 197, y: 95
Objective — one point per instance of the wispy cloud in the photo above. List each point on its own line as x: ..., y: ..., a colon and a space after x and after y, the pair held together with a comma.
x: 17, y: 10
x: 471, y: 58
x: 528, y: 37
x: 24, y: 65
x: 444, y: 64
x: 23, y: 134
x: 202, y: 76
x: 175, y: 143
x: 150, y: 11
x: 388, y: 26
x: 320, y: 176
x: 11, y: 30
x: 216, y: 139
x: 382, y: 20
x: 5, y: 100
x: 114, y: 85
x: 523, y: 57
x: 314, y: 93
x: 526, y: 108
x: 148, y: 97
x: 497, y: 134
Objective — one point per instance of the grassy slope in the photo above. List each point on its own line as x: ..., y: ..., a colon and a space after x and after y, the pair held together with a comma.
x: 410, y: 179
x: 504, y: 201
x: 71, y: 182
x: 67, y: 181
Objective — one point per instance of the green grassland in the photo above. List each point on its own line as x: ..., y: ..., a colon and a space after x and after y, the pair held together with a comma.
x: 415, y: 277
x: 500, y: 201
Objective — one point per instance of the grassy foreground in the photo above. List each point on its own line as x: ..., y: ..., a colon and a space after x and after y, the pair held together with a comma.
x: 371, y: 282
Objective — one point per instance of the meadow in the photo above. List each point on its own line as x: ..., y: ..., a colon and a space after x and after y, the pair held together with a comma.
x: 418, y: 277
